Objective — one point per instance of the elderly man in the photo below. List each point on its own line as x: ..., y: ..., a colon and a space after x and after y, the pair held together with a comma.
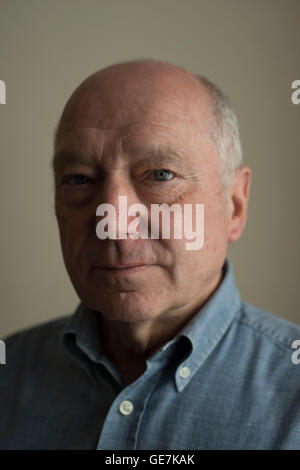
x: 161, y: 353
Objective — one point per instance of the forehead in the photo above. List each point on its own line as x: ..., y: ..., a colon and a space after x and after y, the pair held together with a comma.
x: 139, y: 133
x: 134, y: 112
x: 136, y: 123
x: 117, y: 97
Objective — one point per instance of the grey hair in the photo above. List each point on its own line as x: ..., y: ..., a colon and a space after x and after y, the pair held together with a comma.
x: 225, y: 131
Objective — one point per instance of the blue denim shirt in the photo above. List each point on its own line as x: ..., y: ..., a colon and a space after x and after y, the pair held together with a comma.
x: 226, y: 381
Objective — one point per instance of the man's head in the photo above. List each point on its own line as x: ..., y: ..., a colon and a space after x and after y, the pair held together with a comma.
x: 119, y: 127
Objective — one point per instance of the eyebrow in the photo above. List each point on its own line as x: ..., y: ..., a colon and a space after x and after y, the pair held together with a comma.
x: 64, y: 159
x: 159, y: 154
x: 155, y: 155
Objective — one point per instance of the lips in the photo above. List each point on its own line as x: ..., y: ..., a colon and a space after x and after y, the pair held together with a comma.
x: 124, y: 266
x: 123, y: 269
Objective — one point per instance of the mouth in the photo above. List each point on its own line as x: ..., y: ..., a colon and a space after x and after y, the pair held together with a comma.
x: 126, y: 269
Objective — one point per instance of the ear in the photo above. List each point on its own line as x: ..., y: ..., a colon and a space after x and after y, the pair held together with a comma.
x: 238, y: 202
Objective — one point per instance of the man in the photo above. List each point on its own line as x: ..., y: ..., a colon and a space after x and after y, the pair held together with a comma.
x: 161, y: 353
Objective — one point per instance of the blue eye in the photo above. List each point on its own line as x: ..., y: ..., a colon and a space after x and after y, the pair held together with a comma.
x: 77, y: 180
x: 81, y: 179
x: 162, y: 175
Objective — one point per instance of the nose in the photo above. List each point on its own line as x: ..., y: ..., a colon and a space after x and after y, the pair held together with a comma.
x: 114, y: 199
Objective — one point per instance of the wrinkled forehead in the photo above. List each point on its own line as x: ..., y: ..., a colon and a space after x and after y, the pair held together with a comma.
x: 178, y: 106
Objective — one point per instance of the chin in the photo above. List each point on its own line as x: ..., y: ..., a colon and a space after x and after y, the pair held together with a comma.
x: 125, y: 306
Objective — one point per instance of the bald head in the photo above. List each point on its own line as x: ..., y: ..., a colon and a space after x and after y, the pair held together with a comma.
x: 149, y: 83
x: 142, y: 83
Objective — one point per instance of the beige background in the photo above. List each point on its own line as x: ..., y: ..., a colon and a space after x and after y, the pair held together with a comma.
x: 250, y: 48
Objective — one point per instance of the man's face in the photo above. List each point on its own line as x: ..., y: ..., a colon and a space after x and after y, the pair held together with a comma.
x: 116, y: 131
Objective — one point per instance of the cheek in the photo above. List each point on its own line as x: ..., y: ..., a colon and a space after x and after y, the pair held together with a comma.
x: 75, y: 230
x: 216, y: 235
x: 183, y: 263
x: 212, y: 228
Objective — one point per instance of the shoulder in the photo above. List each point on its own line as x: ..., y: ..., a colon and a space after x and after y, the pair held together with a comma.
x: 267, y: 326
x: 35, y: 341
x: 51, y: 326
x: 270, y: 345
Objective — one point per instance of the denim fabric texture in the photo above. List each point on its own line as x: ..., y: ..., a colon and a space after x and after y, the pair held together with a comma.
x: 226, y: 381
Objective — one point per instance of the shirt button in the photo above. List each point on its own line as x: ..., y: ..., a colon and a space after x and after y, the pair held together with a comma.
x: 184, y: 372
x: 126, y: 407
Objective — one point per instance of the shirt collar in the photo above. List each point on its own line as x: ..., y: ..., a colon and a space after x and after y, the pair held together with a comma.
x: 81, y: 334
x: 208, y: 326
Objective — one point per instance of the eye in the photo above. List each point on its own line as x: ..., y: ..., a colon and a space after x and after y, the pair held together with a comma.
x: 76, y: 180
x: 162, y: 174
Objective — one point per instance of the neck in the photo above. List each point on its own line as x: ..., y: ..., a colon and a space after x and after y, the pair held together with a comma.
x: 128, y: 345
